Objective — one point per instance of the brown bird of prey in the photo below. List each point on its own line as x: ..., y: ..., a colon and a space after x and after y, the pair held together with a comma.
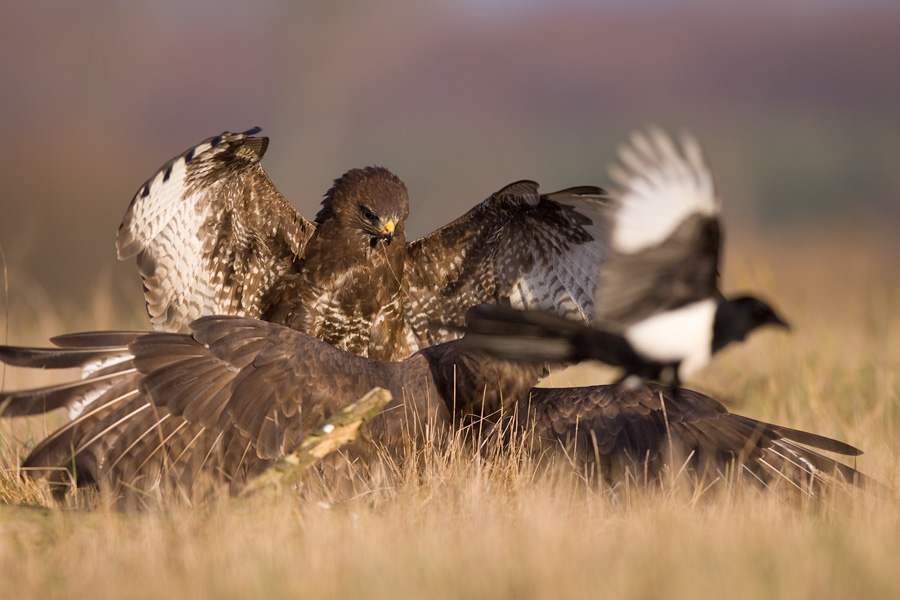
x: 156, y: 413
x: 212, y: 235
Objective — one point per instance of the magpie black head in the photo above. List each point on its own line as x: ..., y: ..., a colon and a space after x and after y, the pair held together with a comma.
x: 737, y: 317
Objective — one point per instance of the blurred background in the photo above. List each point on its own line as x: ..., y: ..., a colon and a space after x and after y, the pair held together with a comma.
x: 797, y: 104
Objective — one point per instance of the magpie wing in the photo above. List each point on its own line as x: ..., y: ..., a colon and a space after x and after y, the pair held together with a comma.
x: 665, y: 240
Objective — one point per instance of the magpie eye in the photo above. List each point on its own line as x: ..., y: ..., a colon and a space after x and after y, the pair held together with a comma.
x: 367, y: 214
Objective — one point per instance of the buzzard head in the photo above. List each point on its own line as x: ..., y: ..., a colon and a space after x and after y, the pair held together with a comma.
x: 370, y: 203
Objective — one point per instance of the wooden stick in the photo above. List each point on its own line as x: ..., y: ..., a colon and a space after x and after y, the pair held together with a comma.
x: 339, y: 429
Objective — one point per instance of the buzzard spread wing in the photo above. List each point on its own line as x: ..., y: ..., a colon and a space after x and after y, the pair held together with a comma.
x: 258, y: 385
x: 167, y: 409
x: 642, y: 432
x: 211, y: 232
x: 270, y: 382
x: 518, y: 247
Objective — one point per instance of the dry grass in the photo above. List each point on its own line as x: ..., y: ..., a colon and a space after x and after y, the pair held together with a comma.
x: 469, y: 526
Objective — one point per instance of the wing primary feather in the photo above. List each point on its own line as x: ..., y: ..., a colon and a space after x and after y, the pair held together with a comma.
x: 818, y: 441
x: 54, y: 358
x: 96, y: 339
x: 43, y: 400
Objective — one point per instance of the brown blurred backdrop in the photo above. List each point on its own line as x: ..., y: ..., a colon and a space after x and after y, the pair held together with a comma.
x: 797, y: 104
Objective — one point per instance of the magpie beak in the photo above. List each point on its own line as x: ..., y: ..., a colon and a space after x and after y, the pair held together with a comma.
x: 778, y: 321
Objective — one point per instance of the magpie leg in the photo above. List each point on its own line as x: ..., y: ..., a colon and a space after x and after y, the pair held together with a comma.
x: 675, y: 391
x: 669, y: 378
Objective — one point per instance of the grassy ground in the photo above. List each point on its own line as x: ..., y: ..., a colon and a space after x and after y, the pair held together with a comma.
x: 467, y: 527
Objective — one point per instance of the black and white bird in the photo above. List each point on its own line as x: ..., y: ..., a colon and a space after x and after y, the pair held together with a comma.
x: 659, y: 313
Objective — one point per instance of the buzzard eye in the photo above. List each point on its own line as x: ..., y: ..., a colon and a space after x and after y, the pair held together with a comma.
x: 367, y: 214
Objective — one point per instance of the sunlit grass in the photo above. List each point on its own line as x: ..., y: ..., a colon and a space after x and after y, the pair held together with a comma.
x: 490, y: 526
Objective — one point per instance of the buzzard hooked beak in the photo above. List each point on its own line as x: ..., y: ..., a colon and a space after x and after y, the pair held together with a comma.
x: 381, y: 231
x: 387, y: 231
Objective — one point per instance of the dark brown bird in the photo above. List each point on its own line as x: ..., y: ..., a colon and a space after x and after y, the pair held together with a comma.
x: 158, y: 413
x: 213, y: 235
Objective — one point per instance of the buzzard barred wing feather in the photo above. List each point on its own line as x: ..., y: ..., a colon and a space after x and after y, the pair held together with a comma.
x: 518, y: 247
x: 175, y: 413
x: 211, y: 232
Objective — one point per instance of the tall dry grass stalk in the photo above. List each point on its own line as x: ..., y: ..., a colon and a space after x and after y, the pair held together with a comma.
x: 450, y: 523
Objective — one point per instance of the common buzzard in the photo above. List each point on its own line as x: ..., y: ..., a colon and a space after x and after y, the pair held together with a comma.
x: 157, y: 413
x: 213, y: 235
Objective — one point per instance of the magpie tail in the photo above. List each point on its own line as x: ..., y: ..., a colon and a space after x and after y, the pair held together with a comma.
x: 534, y: 335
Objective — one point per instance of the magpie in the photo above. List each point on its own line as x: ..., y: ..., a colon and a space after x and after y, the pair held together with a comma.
x: 658, y: 311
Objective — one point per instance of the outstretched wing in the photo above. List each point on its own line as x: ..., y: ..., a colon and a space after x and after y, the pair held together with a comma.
x: 263, y: 378
x: 664, y: 245
x: 159, y: 410
x: 211, y: 232
x: 644, y: 433
x: 228, y: 397
x: 518, y: 247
